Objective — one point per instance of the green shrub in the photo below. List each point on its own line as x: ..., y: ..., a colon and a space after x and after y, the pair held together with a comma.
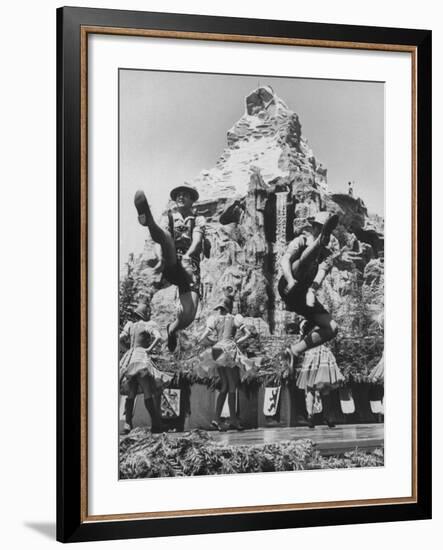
x: 196, y: 453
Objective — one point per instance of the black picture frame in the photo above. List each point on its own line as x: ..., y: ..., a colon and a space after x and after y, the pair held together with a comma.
x: 72, y: 526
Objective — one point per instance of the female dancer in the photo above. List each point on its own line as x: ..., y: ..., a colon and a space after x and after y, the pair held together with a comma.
x: 318, y: 376
x: 137, y: 368
x: 225, y: 355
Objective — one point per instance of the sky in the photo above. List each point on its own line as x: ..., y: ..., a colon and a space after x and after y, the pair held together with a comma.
x: 173, y: 125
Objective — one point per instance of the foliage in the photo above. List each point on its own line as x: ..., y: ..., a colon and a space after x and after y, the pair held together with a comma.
x: 272, y: 371
x: 143, y: 454
x: 356, y: 359
x: 352, y: 459
x: 127, y: 294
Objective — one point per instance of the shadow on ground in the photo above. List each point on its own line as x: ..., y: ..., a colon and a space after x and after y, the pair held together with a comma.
x: 45, y: 529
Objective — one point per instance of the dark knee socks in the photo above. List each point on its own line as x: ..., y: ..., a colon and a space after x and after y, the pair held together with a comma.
x: 156, y: 233
x: 327, y: 408
x: 231, y: 404
x: 154, y: 413
x: 129, y: 410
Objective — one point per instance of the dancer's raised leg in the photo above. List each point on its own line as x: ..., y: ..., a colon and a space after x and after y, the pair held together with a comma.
x: 159, y: 235
x: 186, y: 311
x: 312, y: 251
x: 325, y: 329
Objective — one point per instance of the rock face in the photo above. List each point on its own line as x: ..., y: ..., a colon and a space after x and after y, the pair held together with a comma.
x: 267, y: 138
x: 270, y: 169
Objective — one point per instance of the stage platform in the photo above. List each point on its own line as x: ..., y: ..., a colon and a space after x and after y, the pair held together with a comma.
x: 329, y: 441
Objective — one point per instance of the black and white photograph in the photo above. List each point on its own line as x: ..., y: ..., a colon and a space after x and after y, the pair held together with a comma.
x: 251, y: 274
x: 218, y: 223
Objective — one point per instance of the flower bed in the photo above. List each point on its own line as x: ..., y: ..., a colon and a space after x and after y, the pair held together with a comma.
x: 145, y: 455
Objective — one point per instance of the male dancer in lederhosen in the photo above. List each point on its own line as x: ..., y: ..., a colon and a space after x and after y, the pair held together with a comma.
x: 179, y: 237
x: 304, y: 266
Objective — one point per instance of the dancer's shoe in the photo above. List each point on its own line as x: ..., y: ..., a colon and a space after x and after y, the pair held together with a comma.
x: 236, y: 426
x: 126, y: 429
x: 172, y: 340
x: 142, y: 206
x: 328, y: 227
x: 217, y: 426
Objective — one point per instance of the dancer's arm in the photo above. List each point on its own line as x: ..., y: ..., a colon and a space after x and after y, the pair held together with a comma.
x: 156, y: 340
x: 246, y: 335
x: 124, y: 335
x: 319, y: 278
x: 323, y: 270
x: 209, y: 330
x: 197, y: 237
x: 239, y: 322
x: 155, y: 333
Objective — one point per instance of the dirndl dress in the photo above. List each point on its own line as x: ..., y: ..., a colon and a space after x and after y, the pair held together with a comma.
x: 319, y: 371
x: 225, y: 352
x: 377, y: 374
x: 136, y: 362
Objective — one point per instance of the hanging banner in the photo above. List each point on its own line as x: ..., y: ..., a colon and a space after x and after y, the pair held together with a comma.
x: 317, y: 406
x: 347, y: 403
x: 270, y: 402
x: 170, y: 403
x: 377, y: 407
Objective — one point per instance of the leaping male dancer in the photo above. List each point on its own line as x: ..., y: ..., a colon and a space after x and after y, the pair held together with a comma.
x: 304, y: 266
x: 179, y: 237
